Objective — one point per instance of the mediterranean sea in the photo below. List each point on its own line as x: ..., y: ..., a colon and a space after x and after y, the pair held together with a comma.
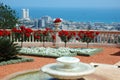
x: 74, y: 14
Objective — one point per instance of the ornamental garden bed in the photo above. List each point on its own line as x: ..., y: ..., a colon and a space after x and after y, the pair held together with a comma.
x: 15, y: 60
x: 47, y: 52
x: 58, y: 52
x: 88, y: 51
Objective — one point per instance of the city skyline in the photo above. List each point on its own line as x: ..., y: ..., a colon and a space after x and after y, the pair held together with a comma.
x: 73, y: 10
x: 102, y: 4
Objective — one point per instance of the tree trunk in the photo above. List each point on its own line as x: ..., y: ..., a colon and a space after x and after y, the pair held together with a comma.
x: 43, y: 44
x: 43, y: 41
x: 65, y: 44
x: 87, y: 45
x: 21, y: 44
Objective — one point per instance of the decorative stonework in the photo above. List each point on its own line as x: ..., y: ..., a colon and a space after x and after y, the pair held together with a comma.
x: 68, y: 68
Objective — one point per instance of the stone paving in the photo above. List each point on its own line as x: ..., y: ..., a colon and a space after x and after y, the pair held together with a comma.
x: 107, y: 71
x: 107, y: 56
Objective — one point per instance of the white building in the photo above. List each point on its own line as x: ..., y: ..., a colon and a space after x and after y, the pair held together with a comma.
x: 47, y: 19
x: 26, y: 14
x: 41, y: 23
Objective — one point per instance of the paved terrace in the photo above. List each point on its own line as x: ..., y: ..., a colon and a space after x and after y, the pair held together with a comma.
x: 109, y: 55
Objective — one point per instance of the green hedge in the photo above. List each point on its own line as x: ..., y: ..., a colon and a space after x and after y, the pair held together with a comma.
x: 52, y: 52
x: 17, y: 60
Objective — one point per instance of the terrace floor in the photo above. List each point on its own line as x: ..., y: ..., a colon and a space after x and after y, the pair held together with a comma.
x: 109, y: 55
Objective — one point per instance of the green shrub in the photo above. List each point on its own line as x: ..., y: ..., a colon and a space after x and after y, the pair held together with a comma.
x: 17, y: 60
x: 8, y: 49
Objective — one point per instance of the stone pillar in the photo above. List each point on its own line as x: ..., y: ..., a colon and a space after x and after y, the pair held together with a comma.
x: 57, y: 23
x: 58, y: 40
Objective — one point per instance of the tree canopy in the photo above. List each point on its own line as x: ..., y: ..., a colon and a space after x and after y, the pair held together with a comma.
x: 8, y: 17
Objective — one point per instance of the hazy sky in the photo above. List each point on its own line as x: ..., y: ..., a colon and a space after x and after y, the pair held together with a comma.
x: 64, y: 3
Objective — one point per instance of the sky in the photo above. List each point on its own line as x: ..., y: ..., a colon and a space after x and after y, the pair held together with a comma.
x: 115, y: 4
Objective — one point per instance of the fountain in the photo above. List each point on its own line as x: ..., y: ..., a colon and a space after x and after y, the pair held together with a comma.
x: 69, y: 68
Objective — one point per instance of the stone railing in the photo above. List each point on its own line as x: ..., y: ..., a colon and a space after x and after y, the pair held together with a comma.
x: 104, y: 38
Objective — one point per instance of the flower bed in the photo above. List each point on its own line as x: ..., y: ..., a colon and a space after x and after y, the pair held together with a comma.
x: 53, y: 52
x: 87, y: 51
x: 49, y: 52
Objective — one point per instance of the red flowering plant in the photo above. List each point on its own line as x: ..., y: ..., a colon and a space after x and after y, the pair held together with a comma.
x: 4, y: 34
x: 66, y: 36
x: 37, y: 35
x: 87, y: 36
x: 22, y: 34
x: 53, y: 39
x: 16, y: 34
x: 43, y: 35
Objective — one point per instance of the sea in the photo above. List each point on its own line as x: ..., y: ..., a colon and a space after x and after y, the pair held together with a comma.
x: 74, y: 14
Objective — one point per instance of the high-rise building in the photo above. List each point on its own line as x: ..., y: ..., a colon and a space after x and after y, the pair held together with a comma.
x: 35, y: 23
x: 41, y: 23
x: 47, y: 19
x: 26, y: 14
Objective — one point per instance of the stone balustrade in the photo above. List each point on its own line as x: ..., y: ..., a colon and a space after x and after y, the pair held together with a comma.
x: 104, y: 38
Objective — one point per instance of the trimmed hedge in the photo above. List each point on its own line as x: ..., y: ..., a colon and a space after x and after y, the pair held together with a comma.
x: 88, y: 52
x: 53, y: 52
x: 47, y: 52
x: 17, y: 60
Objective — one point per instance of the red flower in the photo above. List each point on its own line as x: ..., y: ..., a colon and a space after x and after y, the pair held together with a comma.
x: 69, y: 37
x: 77, y: 38
x: 6, y: 33
x: 28, y: 30
x: 81, y: 33
x: 63, y: 33
x: 97, y: 33
x: 48, y: 29
x: 1, y: 32
x: 36, y: 37
x: 20, y: 33
x: 53, y: 37
x: 27, y: 34
x: 72, y: 34
x: 45, y: 33
x: 37, y: 34
x: 87, y: 36
x: 57, y: 20
x: 14, y: 30
x: 22, y: 28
